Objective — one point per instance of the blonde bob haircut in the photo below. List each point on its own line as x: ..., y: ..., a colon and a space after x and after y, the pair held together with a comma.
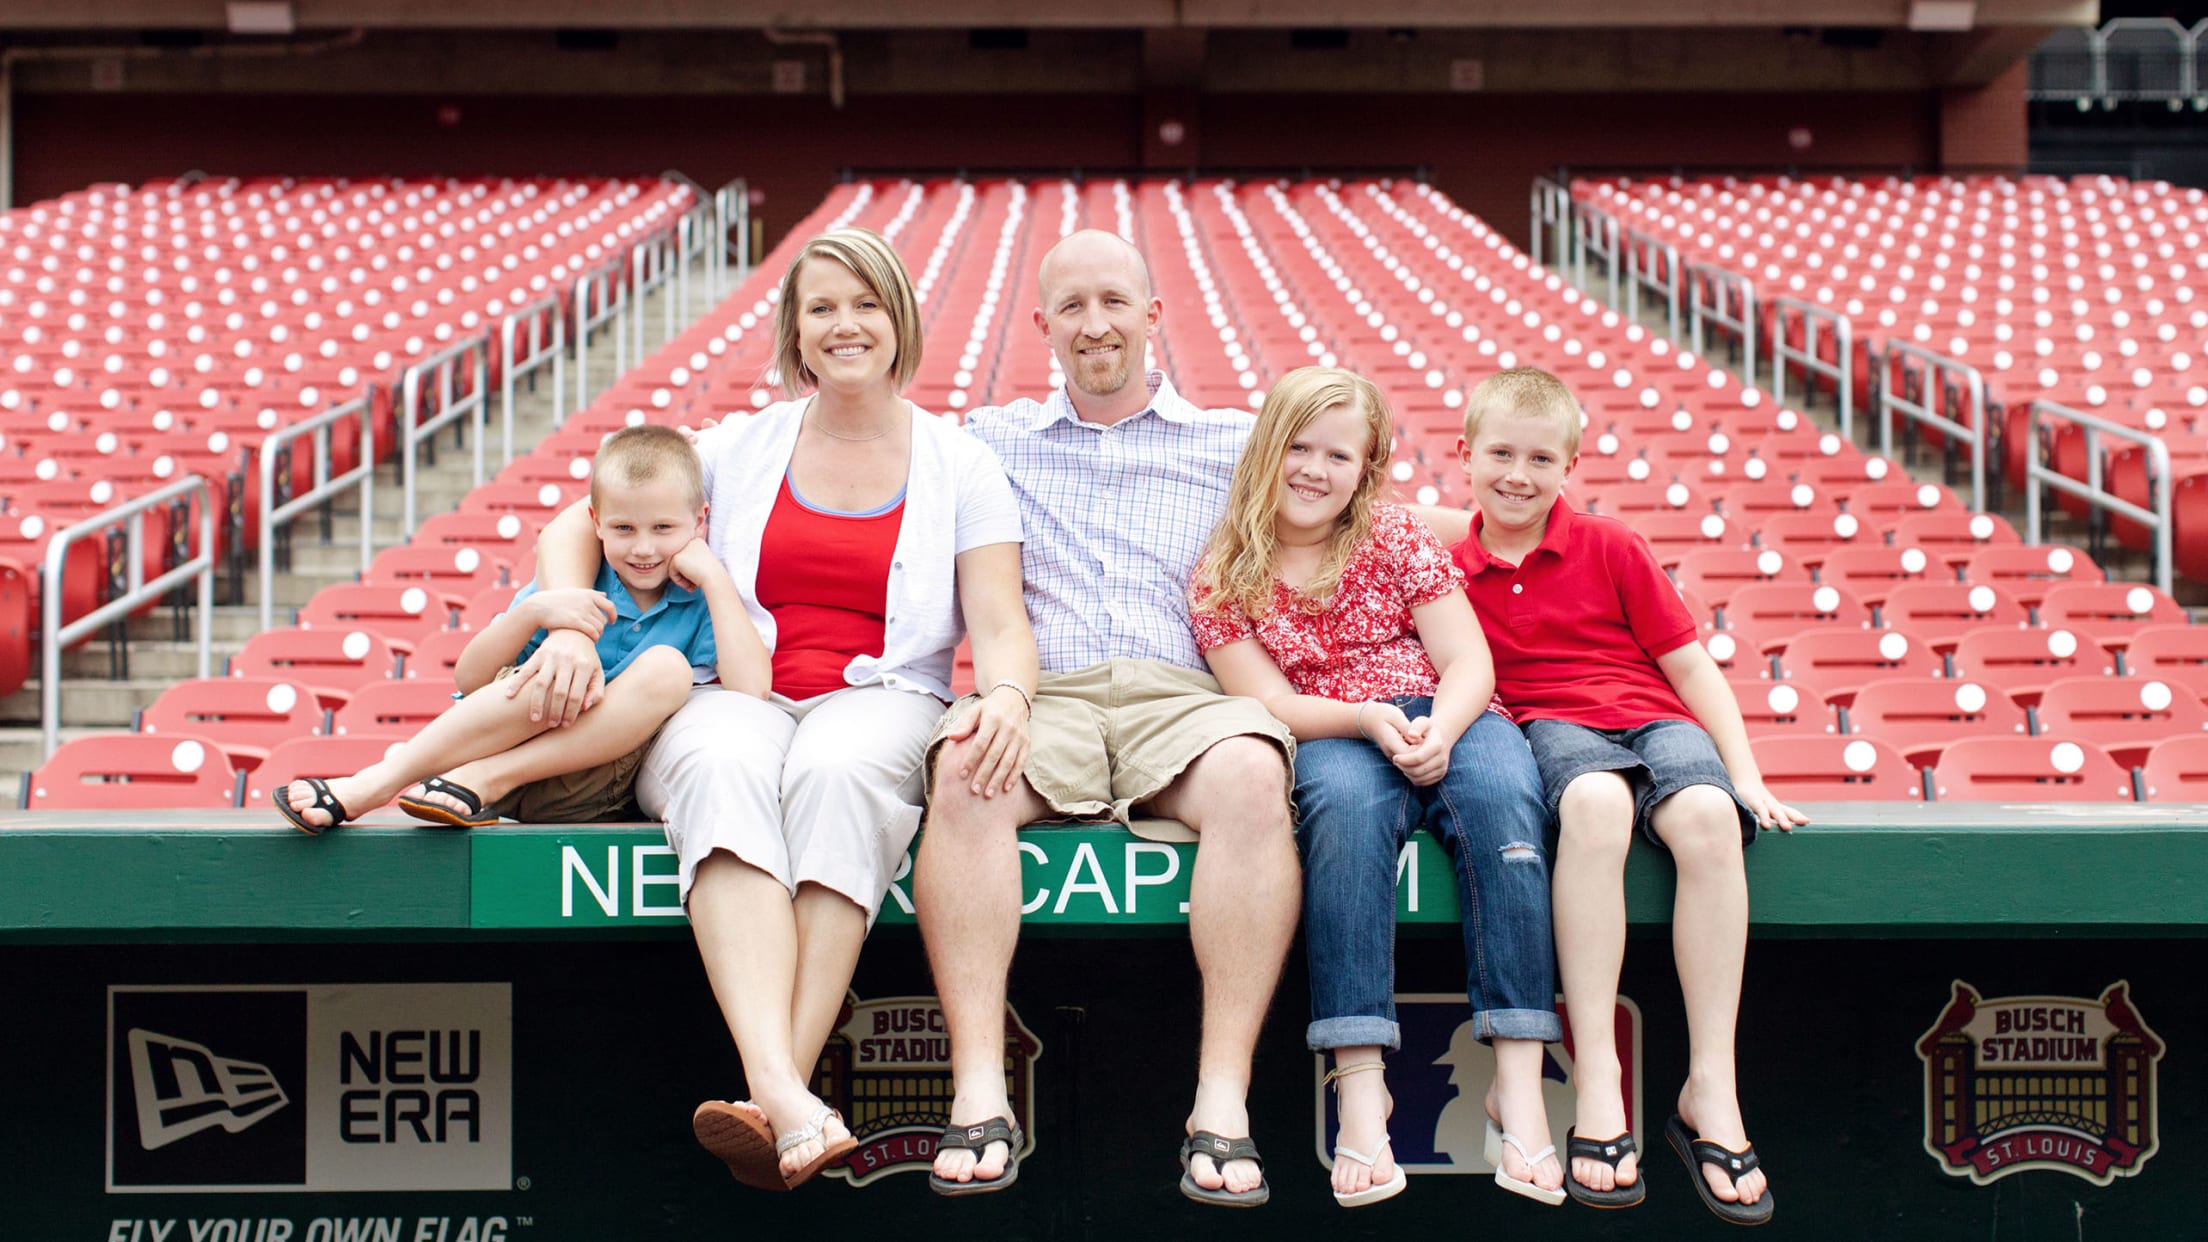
x: 867, y: 255
x: 635, y: 456
x: 1242, y: 561
x: 1524, y: 392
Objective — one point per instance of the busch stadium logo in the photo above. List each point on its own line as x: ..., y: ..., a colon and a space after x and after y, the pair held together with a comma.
x: 887, y: 1069
x: 183, y: 1088
x: 2040, y: 1082
x: 329, y: 1087
x: 1440, y: 1076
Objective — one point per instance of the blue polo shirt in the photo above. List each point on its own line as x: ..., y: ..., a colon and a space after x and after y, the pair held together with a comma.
x: 680, y: 620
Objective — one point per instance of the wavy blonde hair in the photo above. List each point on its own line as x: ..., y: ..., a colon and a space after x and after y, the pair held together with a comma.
x: 1241, y: 563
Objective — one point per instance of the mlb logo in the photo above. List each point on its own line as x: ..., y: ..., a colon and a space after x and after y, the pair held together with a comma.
x: 1440, y: 1076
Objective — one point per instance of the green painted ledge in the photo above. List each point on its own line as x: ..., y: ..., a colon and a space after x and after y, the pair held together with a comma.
x: 1861, y: 870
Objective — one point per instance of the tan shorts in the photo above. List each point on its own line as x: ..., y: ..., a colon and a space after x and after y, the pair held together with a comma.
x: 599, y: 794
x: 1112, y: 736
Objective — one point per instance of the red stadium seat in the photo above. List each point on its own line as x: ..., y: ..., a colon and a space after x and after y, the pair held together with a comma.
x: 1953, y: 536
x: 401, y: 614
x: 134, y: 771
x: 460, y: 571
x: 16, y: 627
x: 245, y: 716
x: 396, y: 707
x: 1920, y: 716
x: 1836, y: 663
x: 1868, y: 572
x: 1671, y: 536
x: 1768, y: 617
x: 2029, y: 769
x: 332, y: 663
x: 1801, y: 768
x: 322, y: 757
x: 2176, y: 770
x: 508, y: 535
x: 2029, y: 571
x: 2110, y: 611
x: 2126, y: 715
x: 1811, y: 537
x: 1769, y: 707
x: 1714, y: 573
x: 1940, y: 613
x: 2177, y: 654
x: 2023, y: 663
x: 1751, y: 503
x: 435, y: 656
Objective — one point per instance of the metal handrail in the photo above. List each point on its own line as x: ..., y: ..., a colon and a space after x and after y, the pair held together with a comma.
x: 53, y: 635
x: 1718, y: 283
x: 613, y: 298
x: 1551, y: 212
x: 1645, y: 256
x: 732, y: 211
x: 1931, y: 372
x: 451, y: 405
x: 537, y: 318
x: 2036, y: 473
x: 1595, y: 232
x: 651, y: 265
x: 1840, y: 370
x: 361, y: 477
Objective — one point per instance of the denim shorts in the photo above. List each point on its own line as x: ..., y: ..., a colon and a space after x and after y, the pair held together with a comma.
x: 1657, y: 760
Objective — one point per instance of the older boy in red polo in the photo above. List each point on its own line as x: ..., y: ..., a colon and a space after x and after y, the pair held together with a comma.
x: 1633, y: 726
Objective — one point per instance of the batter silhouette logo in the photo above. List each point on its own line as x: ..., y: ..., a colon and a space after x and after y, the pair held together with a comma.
x: 1439, y: 1081
x: 2064, y: 1083
x: 887, y: 1069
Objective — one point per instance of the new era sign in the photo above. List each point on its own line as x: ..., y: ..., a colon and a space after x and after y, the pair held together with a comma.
x: 330, y: 1087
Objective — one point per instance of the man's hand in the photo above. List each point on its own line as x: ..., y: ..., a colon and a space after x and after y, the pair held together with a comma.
x: 563, y: 678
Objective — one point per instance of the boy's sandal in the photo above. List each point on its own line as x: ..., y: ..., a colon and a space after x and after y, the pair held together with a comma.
x: 741, y: 1141
x: 807, y: 1133
x: 439, y: 813
x: 1221, y: 1149
x: 976, y: 1139
x: 1697, y: 1152
x: 1378, y: 1190
x: 324, y: 801
x: 1527, y: 1186
x: 1612, y: 1152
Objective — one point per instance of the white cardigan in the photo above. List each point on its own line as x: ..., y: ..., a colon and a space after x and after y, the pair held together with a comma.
x: 956, y: 498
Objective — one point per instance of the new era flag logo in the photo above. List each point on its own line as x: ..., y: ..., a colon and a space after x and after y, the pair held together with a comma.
x: 183, y: 1088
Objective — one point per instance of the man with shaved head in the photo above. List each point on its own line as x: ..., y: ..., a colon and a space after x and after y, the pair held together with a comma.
x: 1120, y: 482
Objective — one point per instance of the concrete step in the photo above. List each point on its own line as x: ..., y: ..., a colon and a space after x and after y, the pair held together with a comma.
x: 173, y: 661
x: 234, y: 624
x: 22, y: 749
x: 86, y: 703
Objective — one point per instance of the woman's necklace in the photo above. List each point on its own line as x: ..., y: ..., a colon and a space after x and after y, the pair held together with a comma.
x: 837, y: 435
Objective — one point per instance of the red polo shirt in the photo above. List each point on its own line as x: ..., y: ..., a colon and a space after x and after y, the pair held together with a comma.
x: 1576, y: 629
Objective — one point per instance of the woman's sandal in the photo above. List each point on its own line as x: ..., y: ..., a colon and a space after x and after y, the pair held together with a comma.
x: 1696, y: 1152
x: 324, y: 801
x: 1378, y: 1190
x: 1491, y: 1147
x: 808, y: 1132
x: 1611, y: 1151
x: 741, y: 1141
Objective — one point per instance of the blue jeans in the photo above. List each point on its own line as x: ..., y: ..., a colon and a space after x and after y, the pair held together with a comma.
x: 1355, y: 811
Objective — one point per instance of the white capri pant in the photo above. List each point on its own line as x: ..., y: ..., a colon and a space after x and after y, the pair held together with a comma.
x: 825, y: 790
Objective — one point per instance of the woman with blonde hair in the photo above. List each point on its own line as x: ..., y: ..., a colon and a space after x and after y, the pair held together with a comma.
x: 865, y: 535
x: 1345, y: 616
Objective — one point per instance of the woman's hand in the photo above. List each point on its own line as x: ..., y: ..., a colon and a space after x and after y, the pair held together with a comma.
x: 563, y: 678
x: 996, y: 725
x: 1426, y: 761
x: 580, y: 609
x: 1386, y: 727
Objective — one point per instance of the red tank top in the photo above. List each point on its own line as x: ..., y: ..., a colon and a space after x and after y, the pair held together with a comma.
x: 824, y: 578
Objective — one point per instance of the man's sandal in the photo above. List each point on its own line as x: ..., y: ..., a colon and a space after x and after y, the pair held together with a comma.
x: 440, y: 814
x: 1612, y: 1152
x: 1491, y: 1147
x: 1378, y: 1190
x: 741, y: 1141
x: 976, y: 1139
x: 1221, y: 1149
x: 808, y: 1132
x: 324, y: 801
x: 1696, y: 1152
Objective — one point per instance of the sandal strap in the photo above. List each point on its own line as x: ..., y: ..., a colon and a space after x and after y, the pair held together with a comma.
x: 1735, y: 1164
x: 1220, y: 1148
x: 1533, y: 1158
x: 1351, y: 1153
x: 1611, y: 1151
x: 438, y: 784
x: 979, y: 1135
x: 805, y: 1133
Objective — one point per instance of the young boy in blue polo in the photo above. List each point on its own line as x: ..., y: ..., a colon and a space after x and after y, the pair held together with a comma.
x: 1634, y: 728
x: 667, y: 617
